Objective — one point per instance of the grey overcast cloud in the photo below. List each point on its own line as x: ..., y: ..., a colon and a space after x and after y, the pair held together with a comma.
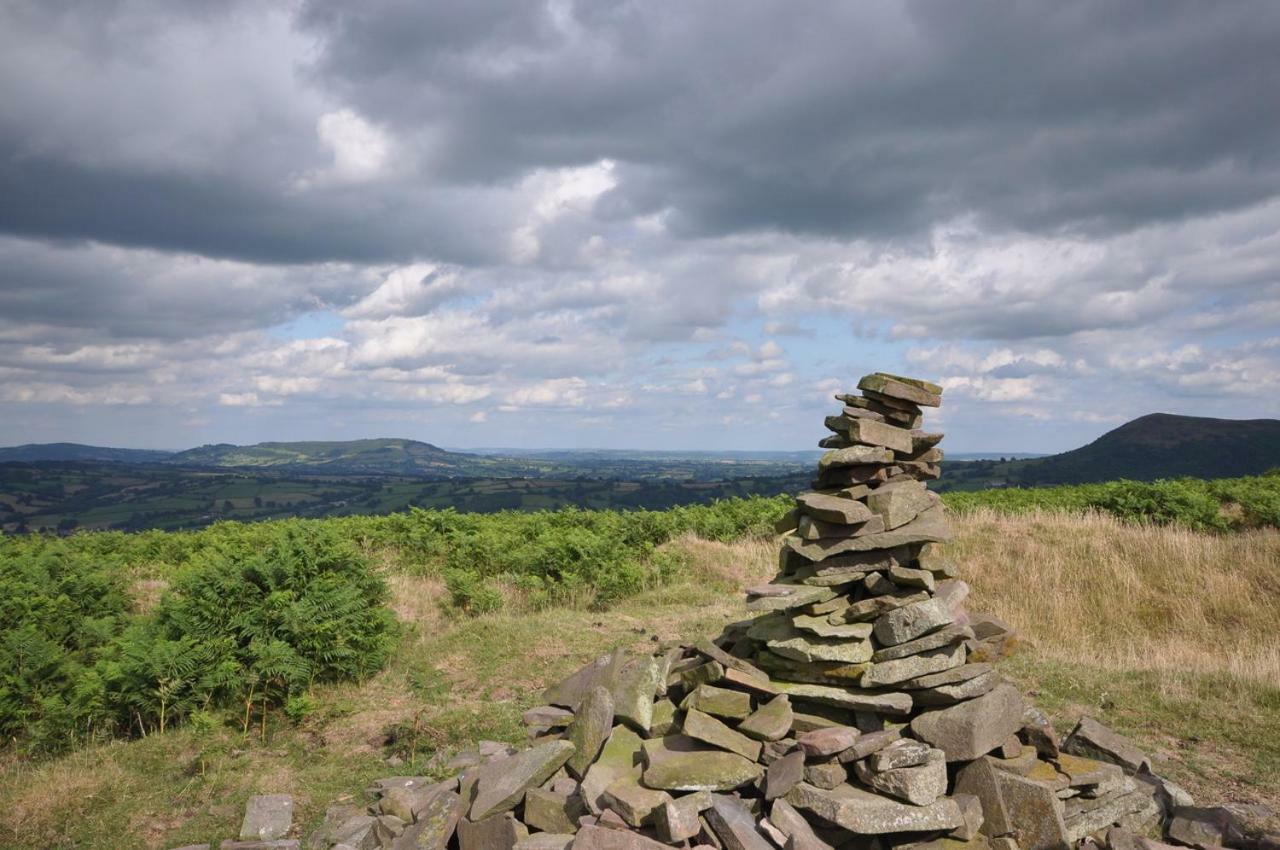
x: 626, y: 224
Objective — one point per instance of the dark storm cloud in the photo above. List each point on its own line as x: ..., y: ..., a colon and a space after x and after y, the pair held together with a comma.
x: 848, y: 119
x: 852, y: 120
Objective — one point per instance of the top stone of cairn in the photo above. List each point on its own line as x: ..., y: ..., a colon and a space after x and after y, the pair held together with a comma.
x: 897, y: 387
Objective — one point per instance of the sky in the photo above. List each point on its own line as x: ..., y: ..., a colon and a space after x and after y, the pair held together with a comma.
x: 632, y: 224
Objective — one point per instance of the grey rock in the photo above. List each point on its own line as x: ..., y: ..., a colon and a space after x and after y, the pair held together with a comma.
x: 869, y: 743
x: 680, y: 763
x: 500, y: 789
x: 823, y: 627
x: 706, y: 728
x: 911, y: 390
x: 783, y: 775
x: 919, y: 784
x: 497, y: 832
x: 904, y: 752
x: 1204, y: 826
x: 634, y: 802
x: 975, y: 727
x: 734, y: 825
x: 826, y: 774
x: 865, y: 813
x: 267, y: 817
x: 678, y: 819
x: 833, y: 508
x: 634, y: 690
x: 959, y: 692
x: 590, y: 729
x: 603, y: 838
x: 949, y: 677
x: 913, y: 666
x: 620, y: 757
x: 779, y: 597
x: 912, y: 621
x: 437, y: 820
x: 771, y: 721
x: 809, y: 528
x: 867, y: 431
x: 549, y: 811
x: 929, y: 527
x: 799, y: 834
x: 828, y: 741
x: 854, y: 456
x: 946, y: 636
x: 900, y: 502
x: 912, y: 577
x: 1033, y: 810
x: 1090, y: 738
x: 889, y: 703
x: 545, y: 841
x: 599, y: 673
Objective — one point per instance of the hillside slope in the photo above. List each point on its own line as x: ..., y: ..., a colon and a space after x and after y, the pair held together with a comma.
x: 386, y: 456
x: 35, y: 452
x: 1164, y: 445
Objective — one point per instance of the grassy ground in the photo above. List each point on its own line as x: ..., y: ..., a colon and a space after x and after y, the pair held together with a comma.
x: 1170, y: 636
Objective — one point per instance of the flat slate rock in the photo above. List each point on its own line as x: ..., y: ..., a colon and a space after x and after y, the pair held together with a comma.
x: 735, y: 826
x: 854, y: 456
x: 633, y: 691
x: 590, y: 729
x: 910, y: 390
x: 769, y: 722
x: 502, y: 788
x: 865, y: 813
x: 1090, y: 738
x: 435, y: 825
x: 830, y: 508
x: 890, y: 703
x: 602, y: 838
x: 779, y: 597
x: 679, y: 763
x: 267, y: 817
x: 890, y: 673
x: 620, y: 758
x: 975, y: 727
x: 570, y: 692
x: 707, y: 729
x: 929, y: 527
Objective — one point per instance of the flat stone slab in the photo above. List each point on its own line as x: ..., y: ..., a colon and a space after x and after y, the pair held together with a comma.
x: 1094, y: 740
x: 832, y: 508
x: 590, y: 729
x: 769, y: 722
x: 854, y: 456
x: 709, y: 730
x: 912, y: 621
x: 267, y: 817
x: 779, y: 597
x: 679, y: 763
x: 911, y: 390
x: 929, y: 527
x: 865, y: 813
x: 437, y: 821
x: 734, y: 824
x: 502, y: 787
x: 898, y: 670
x: 869, y: 432
x: 633, y: 690
x: 975, y: 727
x: 620, y: 757
x: 880, y: 702
x: 603, y: 838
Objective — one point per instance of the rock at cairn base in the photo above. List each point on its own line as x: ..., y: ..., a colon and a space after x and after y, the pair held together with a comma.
x: 856, y: 710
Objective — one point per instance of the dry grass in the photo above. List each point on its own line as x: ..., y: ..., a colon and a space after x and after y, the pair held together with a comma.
x: 1087, y: 588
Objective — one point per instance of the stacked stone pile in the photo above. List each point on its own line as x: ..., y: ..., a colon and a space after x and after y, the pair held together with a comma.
x: 859, y: 708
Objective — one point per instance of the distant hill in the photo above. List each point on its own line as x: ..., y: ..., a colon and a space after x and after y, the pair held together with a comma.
x: 1158, y: 445
x: 381, y: 456
x: 34, y: 452
x: 1164, y: 445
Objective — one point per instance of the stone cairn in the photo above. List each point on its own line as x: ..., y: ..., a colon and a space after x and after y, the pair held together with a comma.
x: 858, y: 709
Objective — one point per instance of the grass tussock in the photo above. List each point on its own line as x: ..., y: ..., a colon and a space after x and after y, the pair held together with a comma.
x: 1088, y: 588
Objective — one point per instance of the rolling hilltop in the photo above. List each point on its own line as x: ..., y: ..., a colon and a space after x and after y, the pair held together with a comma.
x: 1158, y: 445
x: 380, y: 456
x: 32, y: 452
